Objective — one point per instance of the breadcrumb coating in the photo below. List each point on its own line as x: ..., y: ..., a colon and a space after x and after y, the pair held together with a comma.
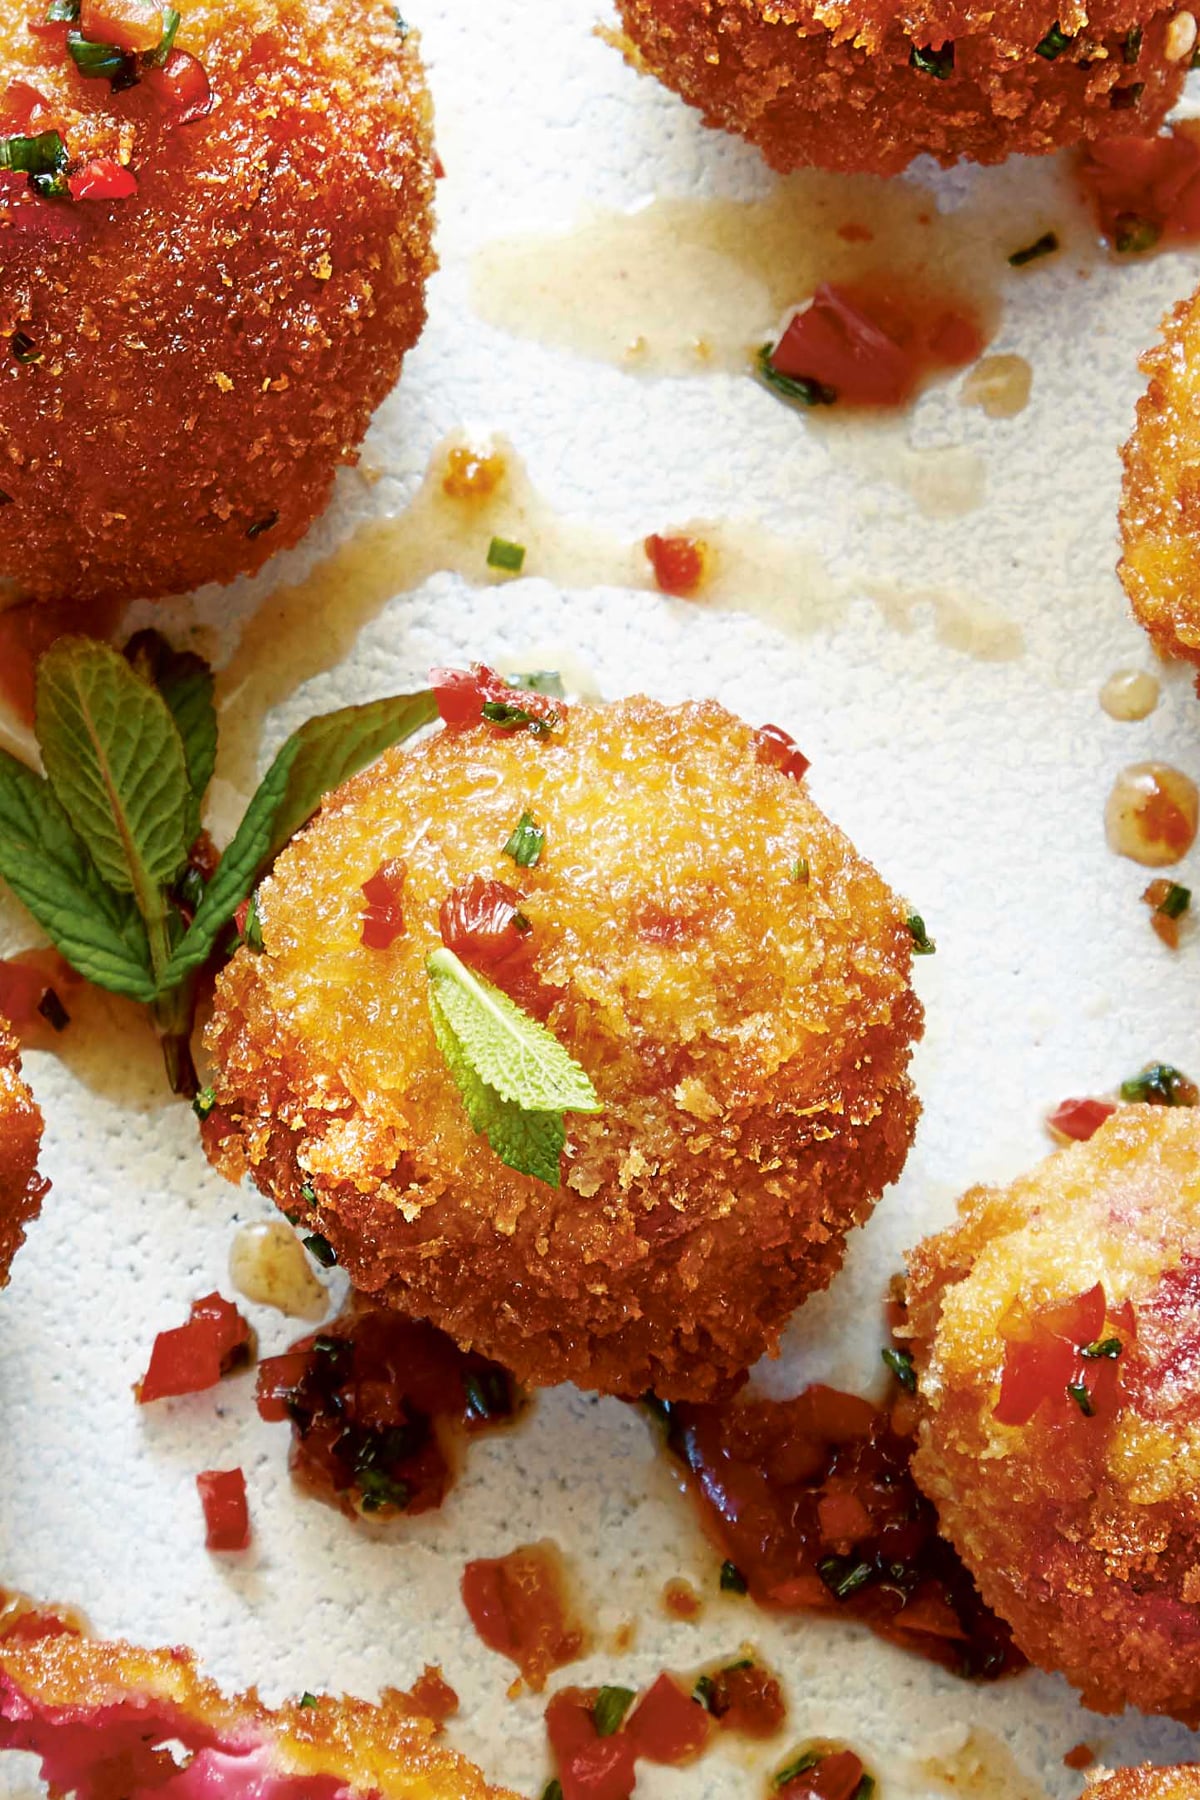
x: 1160, y: 500
x: 837, y: 84
x: 1083, y: 1532
x: 748, y: 1033
x: 102, y: 1715
x: 22, y: 1189
x: 210, y: 349
x: 1145, y: 1783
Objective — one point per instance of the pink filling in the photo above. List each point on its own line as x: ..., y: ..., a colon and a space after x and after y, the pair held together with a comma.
x: 115, y: 1753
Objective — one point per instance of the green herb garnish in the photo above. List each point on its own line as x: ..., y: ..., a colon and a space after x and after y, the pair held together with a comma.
x: 1175, y: 901
x: 204, y: 1101
x: 505, y: 555
x: 98, y: 62
x: 800, y: 871
x: 378, y: 1489
x: 23, y: 348
x: 1162, y: 1084
x: 1131, y: 49
x: 732, y: 1579
x: 553, y: 1790
x: 515, y: 1078
x: 1133, y: 236
x: 44, y: 154
x: 611, y: 1705
x: 805, y: 390
x: 267, y: 523
x: 171, y: 22
x: 307, y: 1699
x: 487, y: 1394
x: 923, y: 944
x: 321, y: 1249
x: 1083, y: 1400
x: 800, y: 1765
x: 703, y: 1692
x: 511, y: 717
x: 938, y: 63
x: 1103, y: 1349
x: 900, y: 1362
x: 1046, y: 245
x: 843, y: 1576
x: 527, y: 842
x: 1054, y: 43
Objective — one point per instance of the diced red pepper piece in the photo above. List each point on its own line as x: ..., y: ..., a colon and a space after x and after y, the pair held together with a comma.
x: 1149, y: 184
x: 518, y: 1606
x: 667, y: 1725
x: 481, y: 921
x: 842, y: 1517
x: 679, y: 563
x: 133, y: 25
x: 462, y: 694
x: 226, y: 1515
x: 279, y: 1377
x: 383, y: 915
x: 778, y: 749
x: 1043, y: 1357
x: 746, y: 1698
x: 22, y: 101
x: 835, y: 342
x: 833, y: 1777
x: 102, y: 179
x: 181, y: 87
x: 194, y: 1356
x: 1080, y: 1119
x: 590, y: 1767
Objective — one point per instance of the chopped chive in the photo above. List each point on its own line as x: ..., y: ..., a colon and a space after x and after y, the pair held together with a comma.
x: 513, y: 718
x: 307, y: 1699
x: 521, y: 924
x: 171, y: 22
x: 487, y: 1393
x: 611, y: 1705
x: 23, y: 348
x: 308, y: 1192
x: 1054, y: 43
x: 1046, y: 245
x: 732, y: 1579
x: 63, y: 12
x: 800, y: 870
x: 321, y: 1249
x: 923, y: 944
x: 900, y: 1362
x: 527, y: 842
x: 800, y: 1765
x: 802, y: 388
x: 505, y: 555
x: 98, y: 62
x: 1104, y: 1348
x: 843, y: 1576
x: 1131, y: 49
x: 204, y: 1102
x: 865, y: 1788
x: 1162, y: 1084
x: 703, y: 1691
x: 1175, y: 901
x: 1133, y: 236
x: 938, y: 63
x: 402, y: 30
x: 267, y: 523
x: 378, y: 1489
x: 1083, y: 1400
x: 43, y: 154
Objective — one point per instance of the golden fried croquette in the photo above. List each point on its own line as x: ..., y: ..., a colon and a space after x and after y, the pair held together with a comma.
x: 22, y: 1189
x: 183, y: 376
x: 866, y: 86
x: 103, y: 1717
x: 1182, y: 1782
x: 1160, y: 500
x: 1071, y: 1298
x: 730, y: 974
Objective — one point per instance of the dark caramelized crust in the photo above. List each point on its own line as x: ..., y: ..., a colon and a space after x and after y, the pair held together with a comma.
x: 832, y: 82
x: 748, y: 1033
x: 211, y: 349
x: 22, y: 1189
x: 1083, y: 1532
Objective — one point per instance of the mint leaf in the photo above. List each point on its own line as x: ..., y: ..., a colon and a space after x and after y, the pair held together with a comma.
x: 530, y: 1142
x: 115, y: 761
x: 507, y: 1049
x: 314, y: 760
x: 44, y: 862
x: 185, y: 682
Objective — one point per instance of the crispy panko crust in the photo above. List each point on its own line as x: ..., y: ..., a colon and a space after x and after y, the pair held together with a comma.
x: 1145, y: 1783
x: 1085, y: 1536
x: 22, y: 1189
x: 100, y: 1715
x: 1160, y: 500
x: 749, y: 1037
x: 830, y: 83
x: 215, y: 346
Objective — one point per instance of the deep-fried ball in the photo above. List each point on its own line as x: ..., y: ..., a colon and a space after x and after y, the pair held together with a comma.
x: 183, y: 369
x: 22, y: 1189
x: 103, y: 1717
x: 730, y: 974
x: 1181, y: 1782
x: 865, y: 85
x: 1160, y: 501
x: 1071, y: 1300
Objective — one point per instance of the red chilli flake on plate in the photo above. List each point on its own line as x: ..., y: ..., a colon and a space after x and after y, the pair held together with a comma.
x: 226, y: 1515
x: 383, y: 915
x: 193, y: 1357
x: 779, y: 750
x: 590, y: 1767
x: 873, y: 349
x: 679, y: 563
x: 1064, y: 1360
x: 462, y: 694
x: 102, y: 179
x: 667, y: 1726
x: 1080, y: 1120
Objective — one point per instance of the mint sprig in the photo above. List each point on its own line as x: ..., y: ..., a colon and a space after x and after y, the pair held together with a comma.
x: 515, y: 1078
x: 99, y: 850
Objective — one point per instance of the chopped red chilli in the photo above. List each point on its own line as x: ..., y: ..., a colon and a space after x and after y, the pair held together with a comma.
x: 679, y: 563
x: 1063, y: 1360
x: 480, y: 696
x: 518, y: 1604
x: 482, y: 922
x: 102, y: 179
x: 779, y: 750
x: 1080, y: 1119
x: 193, y: 1357
x: 667, y: 1725
x: 181, y: 88
x: 226, y: 1515
x: 590, y: 1766
x: 383, y: 915
x: 822, y: 1775
x: 872, y: 349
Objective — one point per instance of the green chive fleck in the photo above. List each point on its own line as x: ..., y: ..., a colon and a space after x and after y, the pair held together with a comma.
x: 24, y: 349
x: 732, y: 1579
x: 801, y: 871
x: 800, y: 1765
x: 801, y: 388
x: 527, y: 842
x: 1162, y: 1084
x: 923, y: 944
x: 1083, y: 1400
x: 98, y: 62
x: 1106, y: 1349
x: 378, y: 1490
x: 321, y: 1249
x: 843, y: 1576
x: 900, y: 1362
x: 204, y: 1102
x: 612, y: 1703
x: 1134, y: 236
x: 1175, y: 901
x: 702, y: 1693
x: 553, y: 1790
x: 1131, y: 49
x: 307, y: 1699
x: 1054, y: 43
x: 938, y: 63
x: 1046, y: 245
x: 514, y: 718
x: 45, y: 154
x: 507, y: 556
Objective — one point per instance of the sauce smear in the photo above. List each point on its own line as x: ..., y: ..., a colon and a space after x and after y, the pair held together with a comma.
x: 813, y: 1501
x: 518, y: 1605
